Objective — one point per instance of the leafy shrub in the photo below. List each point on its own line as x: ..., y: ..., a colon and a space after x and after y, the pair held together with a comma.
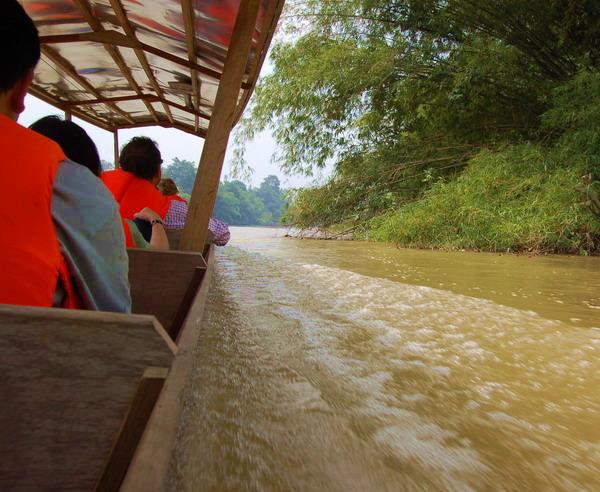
x: 522, y: 198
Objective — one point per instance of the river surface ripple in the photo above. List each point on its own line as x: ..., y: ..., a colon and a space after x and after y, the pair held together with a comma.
x: 350, y: 366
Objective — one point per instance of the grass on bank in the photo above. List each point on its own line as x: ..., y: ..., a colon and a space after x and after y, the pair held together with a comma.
x: 522, y: 198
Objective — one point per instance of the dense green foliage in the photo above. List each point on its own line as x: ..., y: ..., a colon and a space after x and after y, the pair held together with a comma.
x: 417, y: 102
x: 240, y: 205
x: 519, y: 199
x: 182, y: 172
x: 236, y: 203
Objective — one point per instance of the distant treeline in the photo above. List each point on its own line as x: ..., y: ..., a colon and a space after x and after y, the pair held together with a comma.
x: 236, y: 204
x: 450, y: 123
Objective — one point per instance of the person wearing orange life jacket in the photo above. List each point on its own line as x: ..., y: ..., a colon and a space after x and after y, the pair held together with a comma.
x: 134, y: 184
x: 62, y: 244
x: 80, y: 148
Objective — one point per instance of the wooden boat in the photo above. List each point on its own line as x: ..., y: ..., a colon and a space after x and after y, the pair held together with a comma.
x: 93, y: 400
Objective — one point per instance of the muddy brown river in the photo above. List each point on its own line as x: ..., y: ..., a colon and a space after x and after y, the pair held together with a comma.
x: 350, y: 366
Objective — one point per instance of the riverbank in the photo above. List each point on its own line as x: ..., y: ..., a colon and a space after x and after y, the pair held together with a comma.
x: 332, y: 234
x: 521, y: 199
x: 537, y: 194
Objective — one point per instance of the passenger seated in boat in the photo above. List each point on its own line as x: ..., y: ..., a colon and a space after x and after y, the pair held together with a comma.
x: 63, y: 244
x: 218, y: 232
x: 81, y: 149
x: 73, y: 140
x: 134, y: 184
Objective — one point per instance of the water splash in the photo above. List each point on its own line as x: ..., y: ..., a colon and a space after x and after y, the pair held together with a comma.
x: 311, y: 377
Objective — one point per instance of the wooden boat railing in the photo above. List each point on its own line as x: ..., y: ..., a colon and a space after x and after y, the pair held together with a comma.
x: 164, y: 283
x: 150, y: 464
x: 96, y: 397
x: 71, y: 377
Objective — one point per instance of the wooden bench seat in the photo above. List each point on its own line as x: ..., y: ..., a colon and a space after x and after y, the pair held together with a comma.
x: 68, y: 381
x: 164, y: 284
x: 150, y: 464
x: 174, y: 236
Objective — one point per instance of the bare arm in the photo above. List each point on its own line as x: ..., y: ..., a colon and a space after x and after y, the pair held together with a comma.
x: 159, y: 239
x: 218, y: 232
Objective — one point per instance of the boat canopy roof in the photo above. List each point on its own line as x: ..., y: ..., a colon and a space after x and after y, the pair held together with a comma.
x: 134, y: 63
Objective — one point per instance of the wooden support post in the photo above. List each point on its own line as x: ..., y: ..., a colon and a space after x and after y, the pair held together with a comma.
x: 211, y: 162
x: 116, y: 146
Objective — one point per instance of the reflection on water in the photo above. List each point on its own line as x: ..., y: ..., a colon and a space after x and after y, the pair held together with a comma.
x: 347, y: 366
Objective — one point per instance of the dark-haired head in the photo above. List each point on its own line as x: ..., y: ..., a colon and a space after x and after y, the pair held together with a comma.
x: 168, y: 187
x: 73, y: 140
x: 19, y: 54
x: 141, y: 157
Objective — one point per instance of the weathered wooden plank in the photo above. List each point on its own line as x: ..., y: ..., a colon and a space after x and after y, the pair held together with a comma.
x: 160, y: 281
x: 150, y: 465
x: 68, y: 378
x: 206, y: 183
x: 116, y: 148
x: 271, y: 18
x: 132, y: 429
x: 174, y: 236
x: 186, y: 303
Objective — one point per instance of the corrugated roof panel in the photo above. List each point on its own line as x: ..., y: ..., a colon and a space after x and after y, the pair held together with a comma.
x: 134, y: 108
x: 56, y: 17
x: 95, y: 66
x: 107, y: 49
x: 136, y: 69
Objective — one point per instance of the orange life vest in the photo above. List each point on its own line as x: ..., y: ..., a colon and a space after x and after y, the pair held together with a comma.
x: 31, y: 263
x: 133, y: 193
x: 176, y: 198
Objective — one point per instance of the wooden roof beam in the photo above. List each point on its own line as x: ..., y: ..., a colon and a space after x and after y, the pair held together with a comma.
x: 185, y: 109
x: 118, y: 39
x: 266, y: 35
x: 46, y: 97
x: 143, y: 97
x: 72, y: 108
x: 55, y: 100
x: 165, y: 124
x: 206, y: 183
x: 129, y: 31
x: 113, y: 51
x: 68, y: 69
x: 187, y: 10
x: 152, y: 78
x: 104, y: 100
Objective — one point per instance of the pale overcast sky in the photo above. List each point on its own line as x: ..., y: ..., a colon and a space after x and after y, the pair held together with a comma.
x: 173, y: 143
